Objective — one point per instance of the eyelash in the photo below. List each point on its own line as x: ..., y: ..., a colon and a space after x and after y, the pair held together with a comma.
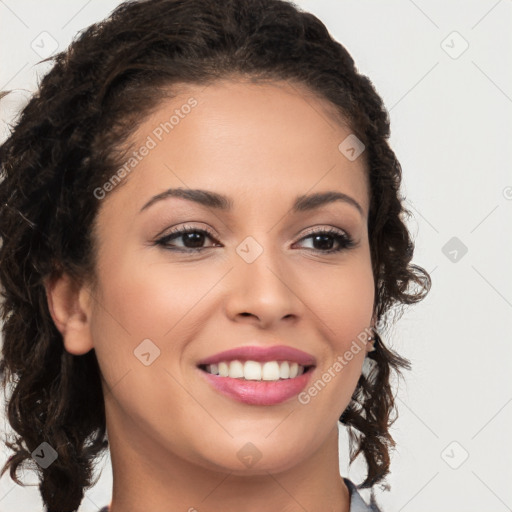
x: 344, y: 241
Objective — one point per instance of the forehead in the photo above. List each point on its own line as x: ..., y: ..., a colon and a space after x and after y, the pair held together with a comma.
x: 265, y: 140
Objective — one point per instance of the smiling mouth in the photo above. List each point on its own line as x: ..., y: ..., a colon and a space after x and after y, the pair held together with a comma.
x: 256, y: 371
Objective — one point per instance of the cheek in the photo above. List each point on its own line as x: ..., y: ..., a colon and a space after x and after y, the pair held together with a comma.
x: 140, y: 302
x: 151, y: 299
x: 353, y: 305
x: 345, y: 306
x: 344, y: 299
x: 345, y: 310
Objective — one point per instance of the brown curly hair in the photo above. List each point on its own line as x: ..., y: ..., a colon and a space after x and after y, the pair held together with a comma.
x: 66, y: 142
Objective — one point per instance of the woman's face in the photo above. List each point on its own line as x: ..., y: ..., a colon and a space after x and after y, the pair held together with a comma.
x: 261, y: 279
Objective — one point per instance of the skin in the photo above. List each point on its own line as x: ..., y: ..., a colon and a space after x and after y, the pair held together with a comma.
x: 173, y: 439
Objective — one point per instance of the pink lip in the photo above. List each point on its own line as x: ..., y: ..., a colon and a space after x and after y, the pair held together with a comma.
x: 262, y: 355
x: 258, y: 392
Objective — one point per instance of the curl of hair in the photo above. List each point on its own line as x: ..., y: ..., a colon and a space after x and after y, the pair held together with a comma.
x: 71, y: 137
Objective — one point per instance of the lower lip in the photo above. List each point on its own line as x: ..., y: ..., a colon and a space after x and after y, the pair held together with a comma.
x: 256, y: 392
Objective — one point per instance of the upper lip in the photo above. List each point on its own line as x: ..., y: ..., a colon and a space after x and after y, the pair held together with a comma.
x: 262, y: 355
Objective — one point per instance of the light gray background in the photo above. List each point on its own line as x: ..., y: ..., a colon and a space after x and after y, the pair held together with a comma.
x: 451, y: 129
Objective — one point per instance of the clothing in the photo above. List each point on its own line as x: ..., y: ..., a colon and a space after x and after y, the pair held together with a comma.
x: 357, y: 504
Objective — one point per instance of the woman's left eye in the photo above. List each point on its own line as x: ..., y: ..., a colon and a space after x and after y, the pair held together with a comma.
x: 326, y: 236
x: 195, y: 238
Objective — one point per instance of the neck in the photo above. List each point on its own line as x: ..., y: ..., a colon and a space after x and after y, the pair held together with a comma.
x: 147, y: 477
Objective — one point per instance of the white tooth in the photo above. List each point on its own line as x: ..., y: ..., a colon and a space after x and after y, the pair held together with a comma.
x: 270, y: 371
x: 284, y: 370
x: 236, y: 369
x: 223, y: 369
x: 252, y: 370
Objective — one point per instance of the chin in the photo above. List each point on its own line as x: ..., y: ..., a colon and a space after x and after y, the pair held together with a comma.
x: 249, y: 460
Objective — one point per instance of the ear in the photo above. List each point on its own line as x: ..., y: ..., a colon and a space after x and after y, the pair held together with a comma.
x: 70, y: 308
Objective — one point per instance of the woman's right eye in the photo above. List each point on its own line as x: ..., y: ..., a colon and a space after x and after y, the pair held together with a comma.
x: 193, y: 236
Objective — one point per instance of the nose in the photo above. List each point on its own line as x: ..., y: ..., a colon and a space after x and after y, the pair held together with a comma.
x: 263, y: 292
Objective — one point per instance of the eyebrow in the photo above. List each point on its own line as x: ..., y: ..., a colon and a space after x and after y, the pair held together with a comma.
x: 220, y: 202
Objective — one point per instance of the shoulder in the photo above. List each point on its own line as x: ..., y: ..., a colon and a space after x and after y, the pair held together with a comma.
x: 357, y: 504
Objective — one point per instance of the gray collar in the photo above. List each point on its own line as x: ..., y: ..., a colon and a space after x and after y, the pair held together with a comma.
x: 357, y: 504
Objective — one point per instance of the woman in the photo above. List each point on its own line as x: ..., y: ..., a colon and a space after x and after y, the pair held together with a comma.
x: 202, y: 237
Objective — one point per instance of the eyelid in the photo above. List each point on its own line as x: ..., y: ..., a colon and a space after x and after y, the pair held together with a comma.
x: 183, y: 227
x: 189, y: 227
x: 343, y: 239
x: 315, y: 229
